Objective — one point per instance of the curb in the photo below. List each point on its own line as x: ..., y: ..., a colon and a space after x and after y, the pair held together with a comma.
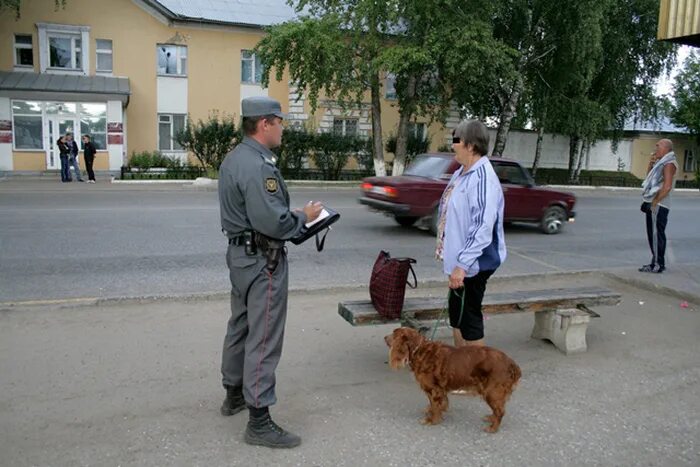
x: 220, y: 295
x: 649, y: 285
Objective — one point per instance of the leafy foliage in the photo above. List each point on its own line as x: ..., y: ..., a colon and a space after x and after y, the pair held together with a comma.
x: 686, y: 93
x: 210, y: 140
x: 150, y: 159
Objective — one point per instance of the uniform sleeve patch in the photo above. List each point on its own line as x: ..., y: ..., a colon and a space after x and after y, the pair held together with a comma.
x: 271, y: 185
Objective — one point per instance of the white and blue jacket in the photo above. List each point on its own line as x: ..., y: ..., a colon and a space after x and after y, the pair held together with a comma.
x: 474, y: 238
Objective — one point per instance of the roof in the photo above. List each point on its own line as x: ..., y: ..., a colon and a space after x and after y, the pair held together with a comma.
x: 251, y: 13
x: 44, y: 82
x: 662, y: 125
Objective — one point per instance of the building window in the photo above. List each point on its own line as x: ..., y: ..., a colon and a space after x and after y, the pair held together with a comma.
x: 65, y: 51
x: 172, y: 60
x: 168, y: 126
x: 27, y: 125
x: 390, y: 86
x: 93, y: 122
x: 689, y: 163
x: 251, y: 68
x: 24, y: 53
x: 345, y: 126
x: 103, y: 47
x: 417, y: 130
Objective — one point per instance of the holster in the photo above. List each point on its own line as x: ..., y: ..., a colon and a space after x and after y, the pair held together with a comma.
x: 271, y: 248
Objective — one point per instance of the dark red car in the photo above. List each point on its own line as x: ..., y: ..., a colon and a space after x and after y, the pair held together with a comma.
x: 415, y: 195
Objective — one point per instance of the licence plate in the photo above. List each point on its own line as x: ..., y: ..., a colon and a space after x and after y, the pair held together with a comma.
x: 378, y: 190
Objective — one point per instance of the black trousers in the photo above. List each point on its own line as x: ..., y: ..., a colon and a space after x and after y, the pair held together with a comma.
x: 88, y: 166
x: 658, y: 251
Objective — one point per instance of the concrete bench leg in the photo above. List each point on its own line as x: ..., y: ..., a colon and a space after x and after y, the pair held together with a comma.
x: 566, y: 329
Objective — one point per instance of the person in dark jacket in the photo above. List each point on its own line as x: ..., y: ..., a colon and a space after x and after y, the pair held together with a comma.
x: 64, y: 153
x: 73, y: 151
x: 89, y: 151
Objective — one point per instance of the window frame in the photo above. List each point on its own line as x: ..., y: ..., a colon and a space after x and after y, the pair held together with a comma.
x: 257, y: 68
x: 39, y: 116
x: 75, y: 51
x: 20, y: 46
x: 171, y: 122
x: 693, y: 162
x: 99, y: 51
x: 179, y: 48
x: 390, y: 87
x: 344, y: 131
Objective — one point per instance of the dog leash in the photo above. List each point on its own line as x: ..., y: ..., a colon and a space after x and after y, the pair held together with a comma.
x: 443, y: 314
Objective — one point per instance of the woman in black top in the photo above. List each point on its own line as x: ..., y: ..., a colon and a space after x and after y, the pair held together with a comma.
x: 64, y: 153
x: 89, y: 151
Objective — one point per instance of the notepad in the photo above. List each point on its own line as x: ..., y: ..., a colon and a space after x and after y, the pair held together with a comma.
x: 320, y: 217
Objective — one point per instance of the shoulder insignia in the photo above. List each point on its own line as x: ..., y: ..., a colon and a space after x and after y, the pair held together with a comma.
x: 271, y: 185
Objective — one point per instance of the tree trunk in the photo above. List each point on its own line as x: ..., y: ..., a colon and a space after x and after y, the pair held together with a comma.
x: 585, y: 150
x: 379, y: 167
x: 506, y: 117
x: 538, y: 151
x: 405, y: 114
x: 573, y: 152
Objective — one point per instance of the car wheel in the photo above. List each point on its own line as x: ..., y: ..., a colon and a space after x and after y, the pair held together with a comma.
x: 434, y: 220
x: 553, y: 220
x: 405, y: 221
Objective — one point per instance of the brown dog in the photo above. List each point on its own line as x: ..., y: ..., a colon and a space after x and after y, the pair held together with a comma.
x: 440, y: 368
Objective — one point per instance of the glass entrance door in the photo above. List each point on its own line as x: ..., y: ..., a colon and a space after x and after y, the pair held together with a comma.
x: 58, y: 126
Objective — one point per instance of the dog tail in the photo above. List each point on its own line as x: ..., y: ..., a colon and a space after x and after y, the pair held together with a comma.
x: 515, y: 373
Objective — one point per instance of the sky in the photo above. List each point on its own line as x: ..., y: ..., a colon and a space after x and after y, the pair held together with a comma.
x: 665, y: 85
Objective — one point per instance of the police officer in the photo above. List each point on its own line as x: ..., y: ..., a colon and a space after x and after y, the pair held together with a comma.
x: 256, y: 218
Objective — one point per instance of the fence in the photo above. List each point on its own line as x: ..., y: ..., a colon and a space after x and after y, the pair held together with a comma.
x: 159, y: 173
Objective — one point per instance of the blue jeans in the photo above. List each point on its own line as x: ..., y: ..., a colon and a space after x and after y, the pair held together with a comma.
x: 65, y: 169
x: 73, y: 160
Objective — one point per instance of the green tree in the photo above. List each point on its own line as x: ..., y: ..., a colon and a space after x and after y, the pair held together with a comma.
x: 334, y: 49
x: 686, y: 93
x: 210, y: 140
x: 15, y: 5
x: 331, y: 152
x: 444, y: 55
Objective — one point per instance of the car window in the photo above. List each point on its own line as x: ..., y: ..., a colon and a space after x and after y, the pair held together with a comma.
x: 428, y: 166
x: 510, y: 173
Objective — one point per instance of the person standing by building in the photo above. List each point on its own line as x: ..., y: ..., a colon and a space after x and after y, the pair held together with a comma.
x: 656, y: 201
x: 63, y: 154
x: 257, y: 219
x: 470, y: 239
x: 73, y: 156
x: 89, y: 152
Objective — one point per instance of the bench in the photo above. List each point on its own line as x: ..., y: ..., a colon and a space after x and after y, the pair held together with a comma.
x: 561, y: 315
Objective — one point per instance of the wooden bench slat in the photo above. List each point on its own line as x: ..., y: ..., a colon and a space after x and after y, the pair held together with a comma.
x: 361, y: 312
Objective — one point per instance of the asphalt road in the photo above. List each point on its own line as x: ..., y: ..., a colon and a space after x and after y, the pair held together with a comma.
x: 83, y: 241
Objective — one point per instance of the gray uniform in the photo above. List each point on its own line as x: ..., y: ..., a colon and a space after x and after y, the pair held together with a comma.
x: 253, y: 196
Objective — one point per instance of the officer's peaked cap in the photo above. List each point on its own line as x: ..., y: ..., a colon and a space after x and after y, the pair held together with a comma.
x: 259, y: 106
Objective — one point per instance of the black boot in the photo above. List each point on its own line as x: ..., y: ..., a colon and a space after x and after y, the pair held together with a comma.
x: 234, y: 401
x: 263, y: 431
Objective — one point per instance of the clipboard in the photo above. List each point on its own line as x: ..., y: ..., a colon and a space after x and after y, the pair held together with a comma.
x: 322, y: 223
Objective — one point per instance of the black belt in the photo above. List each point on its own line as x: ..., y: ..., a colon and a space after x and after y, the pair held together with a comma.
x: 236, y: 241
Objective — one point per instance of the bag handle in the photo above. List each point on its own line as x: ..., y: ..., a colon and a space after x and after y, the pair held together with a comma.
x: 415, y: 280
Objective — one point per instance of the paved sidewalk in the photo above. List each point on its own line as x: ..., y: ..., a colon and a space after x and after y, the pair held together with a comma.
x: 137, y: 383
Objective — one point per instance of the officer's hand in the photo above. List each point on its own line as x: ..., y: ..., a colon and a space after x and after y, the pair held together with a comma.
x: 312, y: 210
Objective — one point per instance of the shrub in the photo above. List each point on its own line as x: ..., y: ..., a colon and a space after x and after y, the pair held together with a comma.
x: 332, y: 151
x: 210, y: 140
x: 149, y: 159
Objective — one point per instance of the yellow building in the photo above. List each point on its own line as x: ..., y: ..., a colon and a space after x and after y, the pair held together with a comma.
x: 644, y: 137
x: 128, y: 72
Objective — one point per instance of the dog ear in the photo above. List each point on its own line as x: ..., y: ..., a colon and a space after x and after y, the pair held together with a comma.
x: 398, y: 352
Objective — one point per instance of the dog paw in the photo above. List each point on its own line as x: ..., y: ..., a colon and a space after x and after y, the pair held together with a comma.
x: 488, y: 418
x: 491, y: 429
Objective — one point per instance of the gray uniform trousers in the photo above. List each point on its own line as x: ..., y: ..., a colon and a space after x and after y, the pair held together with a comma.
x: 253, y: 342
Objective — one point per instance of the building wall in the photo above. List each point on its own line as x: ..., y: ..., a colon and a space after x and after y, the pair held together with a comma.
x: 644, y: 145
x: 521, y: 146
